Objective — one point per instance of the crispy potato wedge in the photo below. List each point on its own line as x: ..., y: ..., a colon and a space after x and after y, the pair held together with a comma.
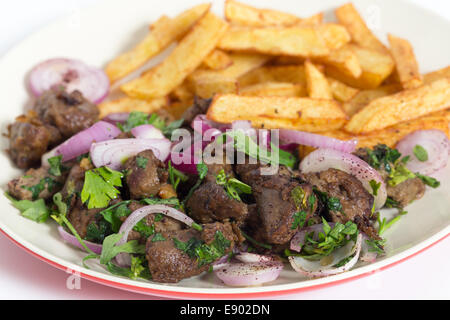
x: 407, y: 68
x: 127, y: 104
x: 341, y: 92
x: 403, y: 106
x: 348, y: 16
x: 218, y: 60
x: 306, y: 114
x: 343, y: 60
x: 208, y: 82
x: 163, y: 32
x: 303, y: 41
x: 436, y: 75
x: 313, y: 20
x: 392, y: 135
x: 364, y: 97
x: 183, y: 60
x: 274, y: 89
x: 244, y: 15
x: 183, y: 92
x: 289, y: 73
x: 375, y: 66
x: 316, y: 83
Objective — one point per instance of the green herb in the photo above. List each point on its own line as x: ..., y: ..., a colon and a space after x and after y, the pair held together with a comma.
x: 110, y: 250
x: 202, y: 170
x: 376, y: 245
x: 375, y: 187
x: 311, y: 201
x: 255, y: 242
x: 420, y: 153
x: 137, y: 118
x: 344, y: 261
x: 97, y: 232
x: 158, y: 237
x: 171, y: 127
x: 385, y: 225
x: 429, y: 181
x: 158, y: 217
x: 99, y: 187
x: 299, y: 197
x: 382, y: 157
x: 38, y: 188
x: 175, y: 176
x: 399, y: 173
x: 33, y: 210
x: 299, y: 219
x: 55, y: 165
x: 391, y: 203
x: 232, y: 186
x: 141, y: 162
x: 332, y: 203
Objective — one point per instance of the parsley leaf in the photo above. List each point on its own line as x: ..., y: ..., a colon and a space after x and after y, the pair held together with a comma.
x: 299, y: 219
x: 55, y: 165
x: 399, y: 173
x: 99, y: 187
x: 232, y: 186
x: 375, y: 187
x: 175, y: 176
x: 33, y: 210
x: 158, y: 237
x: 202, y: 170
x: 429, y: 181
x: 110, y: 250
x: 420, y: 153
x: 141, y: 162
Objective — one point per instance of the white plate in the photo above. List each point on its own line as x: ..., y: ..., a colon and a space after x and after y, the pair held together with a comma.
x: 100, y: 33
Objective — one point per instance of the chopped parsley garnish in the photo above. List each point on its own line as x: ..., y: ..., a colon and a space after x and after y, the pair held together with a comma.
x: 232, y: 186
x: 97, y: 232
x: 38, y: 188
x: 376, y: 245
x: 332, y: 203
x: 429, y: 181
x: 382, y: 157
x: 299, y: 219
x: 137, y: 118
x: 33, y: 210
x: 298, y: 195
x: 158, y: 237
x: 202, y: 170
x: 383, y: 224
x: 175, y: 176
x: 311, y: 201
x: 399, y: 174
x: 420, y: 153
x: 375, y: 187
x: 55, y: 165
x: 202, y: 252
x: 141, y: 162
x: 99, y: 187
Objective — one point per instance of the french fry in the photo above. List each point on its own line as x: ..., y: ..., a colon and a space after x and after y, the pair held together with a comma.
x: 406, y: 63
x: 341, y: 92
x: 208, y: 82
x: 127, y: 104
x: 240, y: 14
x: 274, y: 89
x: 436, y: 75
x: 303, y: 41
x: 343, y: 60
x: 316, y: 83
x: 348, y: 16
x: 218, y: 60
x: 290, y: 73
x: 176, y: 109
x: 313, y: 20
x: 403, y: 106
x: 163, y: 33
x: 183, y: 92
x: 278, y: 112
x: 375, y: 66
x: 184, y: 59
x: 364, y: 97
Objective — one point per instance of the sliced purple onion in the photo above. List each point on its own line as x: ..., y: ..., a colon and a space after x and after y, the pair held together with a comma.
x: 81, y: 142
x: 114, y: 153
x: 249, y: 257
x: 69, y: 238
x: 316, y: 140
x: 147, y: 131
x: 324, y: 159
x: 71, y: 74
x: 437, y: 145
x: 242, y: 274
x: 117, y: 117
x: 323, y: 268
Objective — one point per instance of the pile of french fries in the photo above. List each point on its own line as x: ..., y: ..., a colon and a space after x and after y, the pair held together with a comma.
x: 281, y: 71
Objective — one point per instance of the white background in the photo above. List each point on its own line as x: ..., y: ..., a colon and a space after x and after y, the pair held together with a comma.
x: 424, y: 276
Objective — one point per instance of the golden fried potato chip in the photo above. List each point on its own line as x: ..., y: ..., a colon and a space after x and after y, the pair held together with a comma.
x: 163, y: 32
x: 274, y: 89
x: 364, y: 97
x: 316, y: 83
x: 343, y: 60
x: 348, y: 16
x: 407, y: 68
x: 127, y: 104
x: 289, y: 73
x: 306, y: 114
x: 403, y: 106
x: 375, y: 66
x: 183, y: 60
x: 218, y: 60
x: 341, y: 91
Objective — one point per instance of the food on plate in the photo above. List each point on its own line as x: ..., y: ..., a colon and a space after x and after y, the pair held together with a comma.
x: 407, y: 68
x: 163, y: 32
x: 402, y: 106
x: 180, y: 173
x: 185, y: 58
x: 305, y: 114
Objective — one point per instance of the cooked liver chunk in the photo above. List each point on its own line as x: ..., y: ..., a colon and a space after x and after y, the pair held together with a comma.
x: 407, y: 191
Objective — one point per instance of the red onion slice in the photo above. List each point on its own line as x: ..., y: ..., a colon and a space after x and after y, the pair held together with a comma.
x: 249, y: 257
x: 117, y: 117
x: 73, y: 75
x: 81, y: 142
x: 435, y: 142
x: 123, y: 259
x: 324, y: 159
x: 113, y: 153
x: 317, y: 141
x: 69, y: 238
x: 321, y: 268
x: 147, y: 131
x: 249, y: 274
